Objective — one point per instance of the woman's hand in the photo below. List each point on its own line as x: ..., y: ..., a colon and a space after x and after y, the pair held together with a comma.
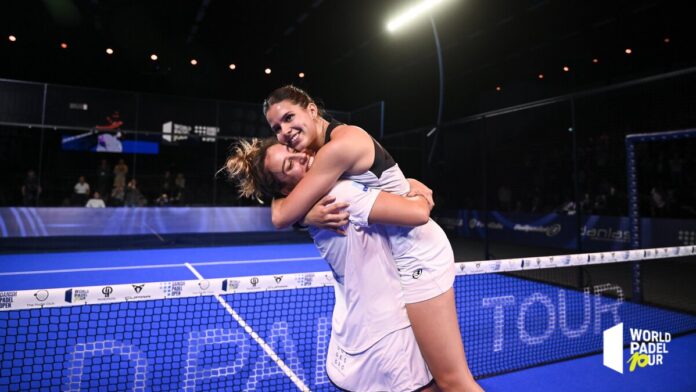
x: 327, y: 214
x: 419, y: 189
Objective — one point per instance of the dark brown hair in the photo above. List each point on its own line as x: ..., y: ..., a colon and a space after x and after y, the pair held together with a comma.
x: 293, y: 94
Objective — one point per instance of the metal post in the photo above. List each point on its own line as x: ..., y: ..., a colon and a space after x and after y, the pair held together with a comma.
x: 438, y: 120
x: 634, y: 216
x: 576, y: 190
x: 215, y: 150
x: 43, y: 122
x: 137, y: 126
x: 487, y: 240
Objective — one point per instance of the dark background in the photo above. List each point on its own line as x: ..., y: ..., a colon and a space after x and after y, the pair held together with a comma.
x: 351, y: 61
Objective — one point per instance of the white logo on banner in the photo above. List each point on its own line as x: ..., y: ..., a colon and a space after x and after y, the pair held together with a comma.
x: 613, y: 348
x: 647, y: 348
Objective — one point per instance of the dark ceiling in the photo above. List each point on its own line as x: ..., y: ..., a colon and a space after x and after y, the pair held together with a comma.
x: 343, y: 47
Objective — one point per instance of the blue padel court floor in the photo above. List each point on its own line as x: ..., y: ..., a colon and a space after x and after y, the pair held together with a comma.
x: 74, y: 269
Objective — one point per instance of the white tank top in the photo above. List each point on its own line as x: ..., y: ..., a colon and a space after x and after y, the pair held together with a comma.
x: 412, y: 247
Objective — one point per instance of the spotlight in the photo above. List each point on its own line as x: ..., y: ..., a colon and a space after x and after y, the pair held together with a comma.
x: 267, y: 71
x: 666, y: 40
x: 232, y: 66
x: 153, y: 57
x: 109, y: 51
x: 301, y: 75
x: 194, y: 62
x: 412, y: 13
x: 595, y: 61
x: 63, y: 45
x: 12, y: 38
x: 498, y: 88
x: 628, y: 51
x: 540, y: 76
x: 566, y: 68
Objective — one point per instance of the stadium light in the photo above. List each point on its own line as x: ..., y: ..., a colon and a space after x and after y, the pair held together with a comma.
x: 407, y: 16
x: 411, y: 14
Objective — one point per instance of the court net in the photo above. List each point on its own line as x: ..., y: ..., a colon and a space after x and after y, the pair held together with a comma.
x: 262, y: 333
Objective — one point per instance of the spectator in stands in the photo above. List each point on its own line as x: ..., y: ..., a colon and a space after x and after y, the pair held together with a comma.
x: 163, y: 200
x: 81, y: 192
x: 180, y: 188
x: 118, y: 196
x: 120, y: 172
x: 167, y: 185
x: 613, y: 202
x: 658, y: 204
x: 134, y: 198
x: 104, y: 181
x: 586, y: 204
x: 31, y: 189
x: 96, y: 201
x: 600, y: 204
x: 567, y: 207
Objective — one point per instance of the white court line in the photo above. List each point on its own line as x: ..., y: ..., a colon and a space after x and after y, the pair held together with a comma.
x: 269, y: 351
x: 153, y: 266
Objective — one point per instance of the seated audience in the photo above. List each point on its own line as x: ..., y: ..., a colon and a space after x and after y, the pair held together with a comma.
x: 95, y: 201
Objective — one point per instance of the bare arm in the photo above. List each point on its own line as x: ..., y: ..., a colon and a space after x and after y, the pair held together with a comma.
x: 326, y: 215
x: 391, y: 209
x: 349, y: 151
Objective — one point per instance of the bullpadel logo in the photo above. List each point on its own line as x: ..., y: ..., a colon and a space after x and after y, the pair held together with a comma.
x: 647, y: 348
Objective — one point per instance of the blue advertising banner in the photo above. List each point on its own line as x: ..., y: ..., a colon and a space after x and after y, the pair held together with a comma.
x: 597, y: 233
x: 664, y: 232
x: 16, y: 222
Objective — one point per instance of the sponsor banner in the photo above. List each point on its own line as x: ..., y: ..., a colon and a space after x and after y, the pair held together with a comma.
x: 600, y: 233
x: 668, y: 232
x: 597, y: 233
x: 24, y: 222
x: 573, y: 260
x: 550, y: 230
x: 89, y: 295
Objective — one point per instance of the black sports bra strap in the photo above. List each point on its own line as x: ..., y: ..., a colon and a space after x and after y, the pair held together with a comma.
x: 383, y: 160
x: 333, y: 124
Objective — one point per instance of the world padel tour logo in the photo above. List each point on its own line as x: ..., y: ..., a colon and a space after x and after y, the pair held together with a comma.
x: 647, y: 348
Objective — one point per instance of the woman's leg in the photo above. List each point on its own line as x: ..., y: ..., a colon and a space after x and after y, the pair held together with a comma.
x: 436, y: 328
